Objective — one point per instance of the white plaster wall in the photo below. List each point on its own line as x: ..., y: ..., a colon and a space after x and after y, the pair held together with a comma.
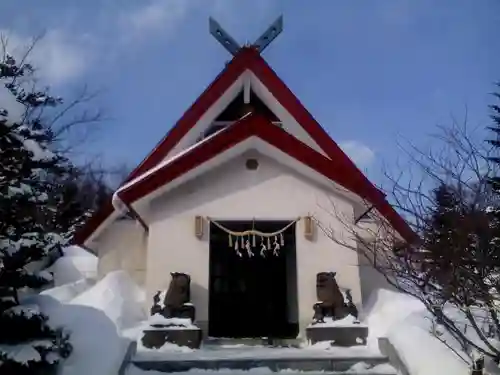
x: 231, y: 192
x: 371, y: 280
x: 122, y: 246
x: 379, y: 233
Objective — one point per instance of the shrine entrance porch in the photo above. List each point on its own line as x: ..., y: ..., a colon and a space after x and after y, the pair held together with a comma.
x: 252, y: 294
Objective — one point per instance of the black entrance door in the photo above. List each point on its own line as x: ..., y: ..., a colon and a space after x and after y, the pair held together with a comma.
x: 248, y: 295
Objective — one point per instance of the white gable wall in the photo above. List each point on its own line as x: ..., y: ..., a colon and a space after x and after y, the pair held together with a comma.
x: 289, y: 123
x: 231, y: 192
x: 209, y: 116
x: 122, y: 246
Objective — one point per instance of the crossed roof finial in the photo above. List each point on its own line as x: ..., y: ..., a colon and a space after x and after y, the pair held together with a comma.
x: 233, y: 47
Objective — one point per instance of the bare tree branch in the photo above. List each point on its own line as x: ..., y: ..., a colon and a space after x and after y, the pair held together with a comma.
x: 452, y: 278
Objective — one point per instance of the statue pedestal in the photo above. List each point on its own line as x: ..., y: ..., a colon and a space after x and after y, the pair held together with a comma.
x: 179, y: 331
x: 155, y: 338
x: 340, y: 335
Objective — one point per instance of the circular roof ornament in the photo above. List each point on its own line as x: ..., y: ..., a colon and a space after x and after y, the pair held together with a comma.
x: 252, y: 164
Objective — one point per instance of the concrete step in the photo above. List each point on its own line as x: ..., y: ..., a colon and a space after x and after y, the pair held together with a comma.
x: 374, y: 371
x: 252, y: 342
x: 249, y: 342
x: 374, y: 364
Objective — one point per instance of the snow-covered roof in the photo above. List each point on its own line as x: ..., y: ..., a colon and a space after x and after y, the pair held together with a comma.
x: 116, y: 201
x: 247, y: 60
x: 168, y: 161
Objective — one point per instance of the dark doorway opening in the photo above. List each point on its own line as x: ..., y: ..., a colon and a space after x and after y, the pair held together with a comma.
x: 252, y: 296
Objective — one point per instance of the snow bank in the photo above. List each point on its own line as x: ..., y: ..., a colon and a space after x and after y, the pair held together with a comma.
x: 432, y: 357
x: 76, y: 264
x: 66, y: 293
x: 93, y: 312
x: 94, y: 319
x: 385, y: 308
x: 98, y: 349
x: 407, y: 323
x: 118, y: 297
x: 77, y: 251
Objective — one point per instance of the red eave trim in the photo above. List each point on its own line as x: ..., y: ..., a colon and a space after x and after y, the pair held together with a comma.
x: 293, y: 106
x: 297, y: 110
x: 248, y: 58
x: 93, y: 223
x: 256, y: 125
x: 190, y: 160
x: 213, y: 92
x: 207, y: 99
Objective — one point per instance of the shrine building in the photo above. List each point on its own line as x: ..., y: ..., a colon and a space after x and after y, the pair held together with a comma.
x: 235, y: 195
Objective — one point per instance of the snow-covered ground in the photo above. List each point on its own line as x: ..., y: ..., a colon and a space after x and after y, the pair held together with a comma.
x: 407, y: 324
x: 105, y: 316
x: 358, y: 368
x: 319, y: 350
x: 77, y: 264
x: 94, y: 312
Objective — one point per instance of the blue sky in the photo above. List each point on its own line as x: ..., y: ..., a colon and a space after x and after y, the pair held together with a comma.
x: 371, y: 72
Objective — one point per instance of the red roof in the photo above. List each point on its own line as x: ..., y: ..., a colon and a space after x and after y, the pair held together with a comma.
x: 258, y: 126
x: 338, y: 168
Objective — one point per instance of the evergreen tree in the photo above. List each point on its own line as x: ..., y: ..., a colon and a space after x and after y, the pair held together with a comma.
x: 462, y: 250
x: 441, y: 239
x: 28, y: 344
x: 495, y: 128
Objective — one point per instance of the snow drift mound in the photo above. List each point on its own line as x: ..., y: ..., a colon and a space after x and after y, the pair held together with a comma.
x: 67, y: 292
x: 77, y: 251
x: 98, y: 348
x: 433, y: 357
x: 407, y: 323
x: 118, y: 297
x: 387, y: 307
x: 75, y: 265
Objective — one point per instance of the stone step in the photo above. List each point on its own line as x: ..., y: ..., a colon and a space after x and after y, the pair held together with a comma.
x: 375, y: 371
x: 212, y: 341
x: 375, y: 364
